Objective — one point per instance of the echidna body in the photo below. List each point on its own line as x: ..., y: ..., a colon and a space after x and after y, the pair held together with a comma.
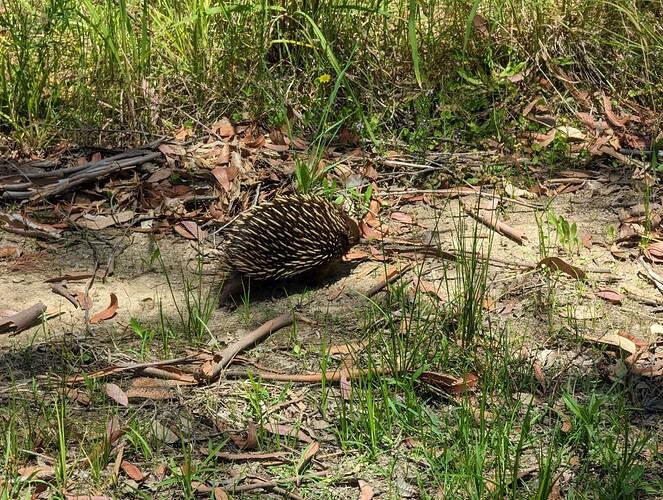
x: 287, y: 237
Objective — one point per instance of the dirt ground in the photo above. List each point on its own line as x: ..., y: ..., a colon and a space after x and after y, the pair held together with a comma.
x: 140, y: 283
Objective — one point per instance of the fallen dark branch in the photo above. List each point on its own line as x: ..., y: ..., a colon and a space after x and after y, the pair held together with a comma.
x: 31, y: 185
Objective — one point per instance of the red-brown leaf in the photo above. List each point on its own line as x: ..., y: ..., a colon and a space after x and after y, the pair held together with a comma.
x: 107, y: 313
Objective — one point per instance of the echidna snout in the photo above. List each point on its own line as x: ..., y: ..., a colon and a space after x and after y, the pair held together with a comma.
x: 287, y: 237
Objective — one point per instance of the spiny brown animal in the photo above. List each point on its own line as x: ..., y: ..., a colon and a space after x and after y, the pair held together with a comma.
x: 290, y: 236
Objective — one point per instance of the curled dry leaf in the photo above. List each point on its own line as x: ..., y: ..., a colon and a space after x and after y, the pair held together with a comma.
x: 614, y: 340
x: 223, y: 127
x: 107, y: 313
x: 367, y: 232
x: 248, y: 441
x: 654, y: 252
x: 571, y: 133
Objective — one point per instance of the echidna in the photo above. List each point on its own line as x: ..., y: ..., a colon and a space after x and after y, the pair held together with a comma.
x: 290, y: 236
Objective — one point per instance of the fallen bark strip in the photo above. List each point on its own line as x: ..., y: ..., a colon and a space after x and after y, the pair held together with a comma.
x: 22, y: 320
x: 491, y: 222
x: 90, y: 175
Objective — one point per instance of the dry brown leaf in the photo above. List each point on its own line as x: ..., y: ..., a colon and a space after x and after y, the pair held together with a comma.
x: 365, y: 490
x: 190, y: 230
x: 557, y: 264
x: 113, y: 430
x: 610, y: 295
x: 587, y: 120
x: 571, y: 133
x: 654, y: 252
x: 587, y: 241
x: 79, y: 396
x: 614, y: 340
x: 182, y: 133
x: 248, y: 441
x: 612, y: 117
x: 132, y: 471
x: 10, y: 251
x: 224, y: 176
x: 107, y: 313
x: 43, y: 472
x: 224, y: 155
x: 220, y: 494
x: 306, y: 457
x: 159, y: 175
x: 115, y: 393
x: 450, y: 384
x: 401, y: 217
x: 427, y: 288
x: 538, y: 374
x: 367, y: 232
x: 223, y: 127
x: 286, y: 430
x: 349, y: 348
x: 257, y: 142
x: 345, y: 386
x: 617, y: 252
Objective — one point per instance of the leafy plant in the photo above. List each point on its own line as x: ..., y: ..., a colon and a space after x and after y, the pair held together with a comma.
x: 567, y: 234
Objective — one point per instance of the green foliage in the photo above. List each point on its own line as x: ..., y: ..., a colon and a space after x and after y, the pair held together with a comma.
x: 567, y: 233
x: 158, y: 63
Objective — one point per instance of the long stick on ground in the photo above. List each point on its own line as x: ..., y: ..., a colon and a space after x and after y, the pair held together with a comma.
x: 249, y: 340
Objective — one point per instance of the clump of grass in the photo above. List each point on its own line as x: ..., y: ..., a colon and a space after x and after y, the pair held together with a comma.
x: 384, y: 69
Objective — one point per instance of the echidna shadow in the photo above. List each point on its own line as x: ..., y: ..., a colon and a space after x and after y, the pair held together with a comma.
x: 293, y: 241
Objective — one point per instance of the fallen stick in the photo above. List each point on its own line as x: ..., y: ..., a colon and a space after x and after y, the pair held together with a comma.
x: 492, y: 223
x: 312, y: 378
x: 253, y: 338
x: 384, y: 283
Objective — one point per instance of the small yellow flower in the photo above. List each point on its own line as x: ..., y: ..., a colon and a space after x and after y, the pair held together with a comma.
x: 324, y: 78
